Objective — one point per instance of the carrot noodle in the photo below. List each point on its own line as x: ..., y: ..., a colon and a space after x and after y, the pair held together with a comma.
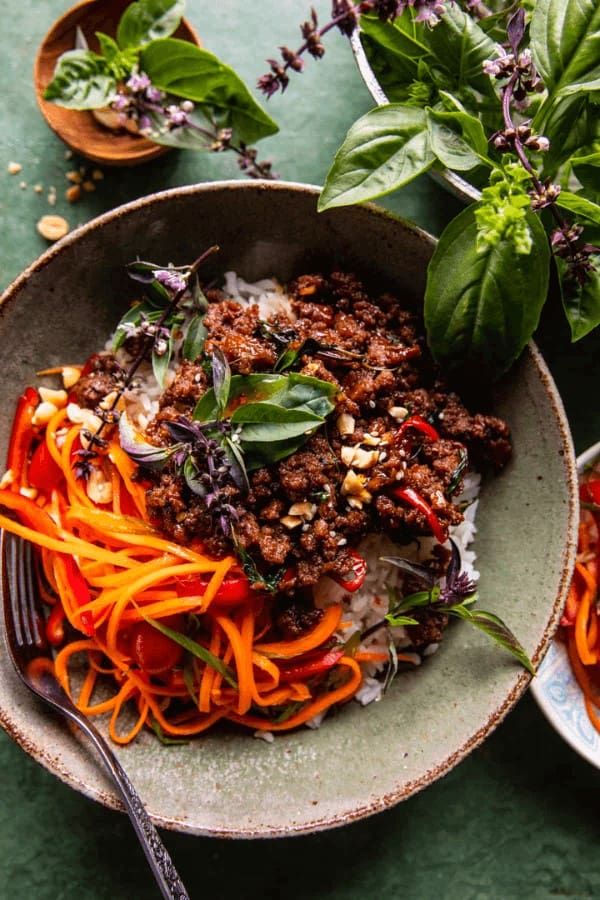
x: 580, y: 626
x: 113, y: 580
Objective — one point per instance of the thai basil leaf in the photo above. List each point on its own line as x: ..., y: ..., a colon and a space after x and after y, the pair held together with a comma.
x: 460, y: 47
x: 195, y: 649
x: 412, y: 601
x: 402, y: 38
x: 569, y: 124
x: 108, y: 46
x: 565, y: 41
x: 160, y: 361
x: 191, y: 475
x: 496, y: 629
x: 290, y: 391
x: 195, y: 338
x: 586, y: 167
x: 397, y: 620
x: 579, y: 206
x: 237, y: 464
x: 382, y: 151
x: 393, y: 53
x: 120, y: 62
x: 82, y: 80
x: 142, y: 271
x: 143, y: 453
x: 392, y: 667
x: 482, y: 307
x: 470, y: 126
x: 306, y: 393
x: 262, y: 453
x: 146, y: 20
x: 592, y: 86
x: 581, y: 301
x: 221, y: 375
x: 267, y: 422
x: 163, y: 738
x: 132, y: 317
x: 450, y: 148
x: 181, y: 68
x: 253, y: 387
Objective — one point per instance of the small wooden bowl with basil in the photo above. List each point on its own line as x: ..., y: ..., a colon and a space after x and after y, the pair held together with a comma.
x: 79, y: 129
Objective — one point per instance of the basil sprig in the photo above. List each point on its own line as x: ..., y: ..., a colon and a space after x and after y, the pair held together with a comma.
x: 456, y: 599
x: 278, y: 414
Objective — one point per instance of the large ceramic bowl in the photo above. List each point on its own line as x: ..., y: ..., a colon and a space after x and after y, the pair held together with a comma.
x: 364, y: 759
x: 78, y: 128
x: 556, y: 689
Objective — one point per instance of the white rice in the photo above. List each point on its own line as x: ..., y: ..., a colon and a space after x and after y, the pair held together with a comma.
x: 369, y: 605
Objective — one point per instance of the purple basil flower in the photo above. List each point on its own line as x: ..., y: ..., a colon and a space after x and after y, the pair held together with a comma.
x: 121, y: 102
x: 170, y: 279
x: 154, y: 94
x: 176, y: 116
x: 138, y: 82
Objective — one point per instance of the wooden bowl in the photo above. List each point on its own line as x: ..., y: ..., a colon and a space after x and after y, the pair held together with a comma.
x: 79, y: 129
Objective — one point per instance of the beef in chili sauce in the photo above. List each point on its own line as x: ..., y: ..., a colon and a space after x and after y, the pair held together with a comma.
x: 389, y: 458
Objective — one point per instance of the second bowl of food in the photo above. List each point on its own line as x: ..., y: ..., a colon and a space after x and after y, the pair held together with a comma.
x: 262, y: 467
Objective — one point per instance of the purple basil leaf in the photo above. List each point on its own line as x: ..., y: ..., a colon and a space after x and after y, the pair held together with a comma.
x: 515, y: 30
x: 411, y: 568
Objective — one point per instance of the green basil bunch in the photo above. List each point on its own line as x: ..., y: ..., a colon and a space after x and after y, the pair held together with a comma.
x: 488, y: 279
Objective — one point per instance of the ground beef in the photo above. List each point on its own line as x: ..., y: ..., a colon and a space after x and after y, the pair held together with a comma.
x: 100, y: 378
x: 301, y: 515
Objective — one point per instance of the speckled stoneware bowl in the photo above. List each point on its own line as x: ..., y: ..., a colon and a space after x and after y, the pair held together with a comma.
x: 556, y: 689
x: 364, y: 759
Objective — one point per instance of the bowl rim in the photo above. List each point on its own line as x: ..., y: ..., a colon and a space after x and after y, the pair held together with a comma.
x: 44, y: 755
x: 556, y: 651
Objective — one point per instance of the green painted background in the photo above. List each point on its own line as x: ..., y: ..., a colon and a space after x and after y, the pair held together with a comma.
x: 518, y: 818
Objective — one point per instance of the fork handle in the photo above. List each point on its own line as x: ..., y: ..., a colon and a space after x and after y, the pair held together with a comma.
x: 160, y: 862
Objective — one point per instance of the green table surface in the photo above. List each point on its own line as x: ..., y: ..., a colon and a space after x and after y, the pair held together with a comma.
x: 519, y: 817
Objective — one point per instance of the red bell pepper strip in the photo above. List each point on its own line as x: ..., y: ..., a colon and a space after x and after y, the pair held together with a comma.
x: 410, y: 496
x: 589, y: 491
x: 419, y: 424
x: 21, y: 436
x: 44, y: 473
x: 356, y: 575
x: 235, y: 588
x: 80, y: 591
x: 314, y: 663
x: 29, y: 513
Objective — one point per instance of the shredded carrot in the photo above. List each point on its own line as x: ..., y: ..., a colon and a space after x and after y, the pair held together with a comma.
x: 580, y: 622
x: 124, y: 589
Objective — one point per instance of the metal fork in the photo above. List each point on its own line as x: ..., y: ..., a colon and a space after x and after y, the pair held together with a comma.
x: 27, y: 645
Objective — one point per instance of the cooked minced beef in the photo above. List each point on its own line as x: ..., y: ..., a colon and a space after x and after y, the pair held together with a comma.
x: 376, y: 356
x: 100, y: 377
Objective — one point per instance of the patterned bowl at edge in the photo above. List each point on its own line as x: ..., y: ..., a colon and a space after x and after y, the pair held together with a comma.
x: 555, y: 687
